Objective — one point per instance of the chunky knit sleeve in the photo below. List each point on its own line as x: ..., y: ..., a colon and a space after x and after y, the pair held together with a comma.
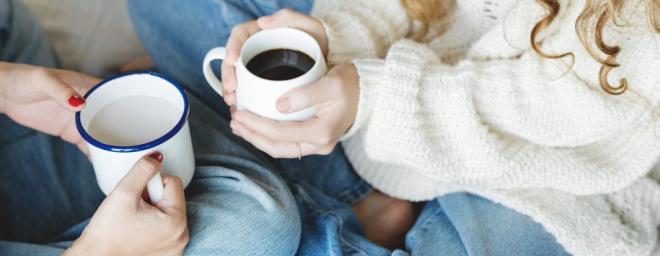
x: 491, y: 119
x: 361, y: 29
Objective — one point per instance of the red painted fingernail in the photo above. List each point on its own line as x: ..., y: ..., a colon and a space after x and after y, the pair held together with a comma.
x: 76, y: 101
x: 157, y: 155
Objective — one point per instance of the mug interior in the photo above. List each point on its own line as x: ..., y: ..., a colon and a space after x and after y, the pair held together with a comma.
x: 151, y: 91
x: 281, y: 38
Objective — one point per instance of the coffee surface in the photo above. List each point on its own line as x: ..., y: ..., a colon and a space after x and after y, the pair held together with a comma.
x: 280, y: 64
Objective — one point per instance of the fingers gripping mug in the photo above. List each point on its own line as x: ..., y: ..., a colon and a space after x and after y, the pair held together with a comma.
x: 271, y: 63
x: 129, y: 116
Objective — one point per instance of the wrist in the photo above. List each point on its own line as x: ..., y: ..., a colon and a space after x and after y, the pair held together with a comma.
x: 2, y: 104
x: 3, y: 81
x: 369, y: 76
x: 10, y: 75
x: 84, y: 246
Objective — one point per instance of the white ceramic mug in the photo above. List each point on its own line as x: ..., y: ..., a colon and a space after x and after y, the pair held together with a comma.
x: 141, y: 93
x: 259, y: 95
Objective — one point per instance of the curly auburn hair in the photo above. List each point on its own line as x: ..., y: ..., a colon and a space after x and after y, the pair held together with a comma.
x: 595, y: 14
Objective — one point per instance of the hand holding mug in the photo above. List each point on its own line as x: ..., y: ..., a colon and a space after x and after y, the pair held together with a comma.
x: 44, y: 99
x: 126, y: 224
x: 126, y: 117
x: 335, y: 96
x: 240, y: 33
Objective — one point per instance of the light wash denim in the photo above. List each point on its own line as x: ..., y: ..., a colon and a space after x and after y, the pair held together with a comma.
x: 177, y: 34
x: 237, y: 204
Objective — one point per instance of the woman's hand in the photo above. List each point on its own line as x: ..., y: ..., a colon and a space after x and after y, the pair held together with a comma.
x: 240, y: 33
x: 126, y: 224
x: 336, y: 97
x: 44, y: 99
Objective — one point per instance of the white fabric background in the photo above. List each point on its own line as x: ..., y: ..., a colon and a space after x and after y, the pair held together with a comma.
x: 94, y: 36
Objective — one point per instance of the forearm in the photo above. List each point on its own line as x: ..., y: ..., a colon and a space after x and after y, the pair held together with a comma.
x: 2, y: 105
x: 4, y: 75
x: 499, y: 123
x: 521, y: 97
x: 75, y: 250
x: 83, y: 246
x: 13, y: 76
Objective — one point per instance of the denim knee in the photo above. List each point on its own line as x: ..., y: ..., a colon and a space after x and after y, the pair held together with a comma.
x: 238, y: 213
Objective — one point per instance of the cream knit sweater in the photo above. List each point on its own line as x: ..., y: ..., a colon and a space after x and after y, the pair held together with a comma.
x: 475, y: 109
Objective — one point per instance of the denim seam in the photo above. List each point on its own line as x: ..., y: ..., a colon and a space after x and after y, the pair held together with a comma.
x: 318, y: 211
x: 355, y: 193
x: 440, y: 209
x: 305, y: 197
x: 428, y: 221
x: 341, y: 237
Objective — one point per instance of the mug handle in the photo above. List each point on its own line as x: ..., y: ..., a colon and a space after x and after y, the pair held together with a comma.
x: 155, y: 188
x: 217, y: 53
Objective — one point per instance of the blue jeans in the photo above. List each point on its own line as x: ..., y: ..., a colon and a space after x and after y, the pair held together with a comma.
x: 177, y: 34
x: 237, y: 204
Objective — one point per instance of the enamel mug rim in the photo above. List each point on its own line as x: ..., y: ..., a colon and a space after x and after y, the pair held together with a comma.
x: 144, y: 146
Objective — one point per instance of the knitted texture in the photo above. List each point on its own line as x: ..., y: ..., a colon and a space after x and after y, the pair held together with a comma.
x: 475, y: 109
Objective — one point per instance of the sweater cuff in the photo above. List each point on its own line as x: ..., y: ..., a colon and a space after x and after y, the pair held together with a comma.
x: 370, y: 72
x: 339, y: 36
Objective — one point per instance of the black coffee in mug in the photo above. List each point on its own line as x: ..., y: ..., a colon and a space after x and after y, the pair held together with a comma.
x: 280, y: 64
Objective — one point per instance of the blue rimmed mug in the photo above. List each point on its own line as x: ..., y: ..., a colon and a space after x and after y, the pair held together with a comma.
x: 113, y: 158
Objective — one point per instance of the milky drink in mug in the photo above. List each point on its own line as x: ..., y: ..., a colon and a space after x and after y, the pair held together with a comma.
x: 133, y: 115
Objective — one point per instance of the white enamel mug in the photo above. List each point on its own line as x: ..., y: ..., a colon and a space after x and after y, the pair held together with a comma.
x: 112, y: 162
x: 259, y: 95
